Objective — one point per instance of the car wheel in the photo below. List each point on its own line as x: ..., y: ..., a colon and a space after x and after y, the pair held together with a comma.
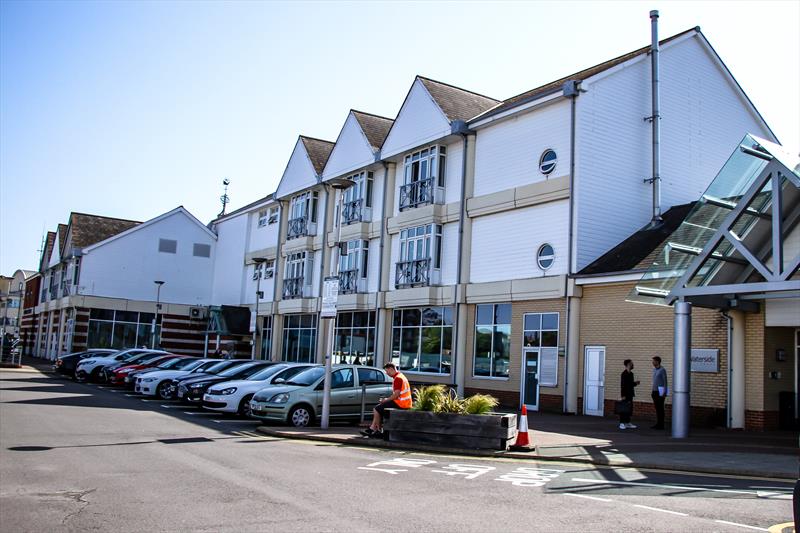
x: 80, y: 376
x: 301, y: 416
x: 163, y: 390
x: 244, y: 407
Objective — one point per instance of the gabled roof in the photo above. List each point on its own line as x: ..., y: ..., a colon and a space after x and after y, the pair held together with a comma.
x: 457, y: 103
x: 49, y: 242
x: 556, y: 85
x: 318, y: 151
x: 62, y: 237
x: 89, y: 229
x: 375, y: 127
x: 638, y: 249
x: 141, y: 225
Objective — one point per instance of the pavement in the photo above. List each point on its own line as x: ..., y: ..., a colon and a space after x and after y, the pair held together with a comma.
x: 597, y: 440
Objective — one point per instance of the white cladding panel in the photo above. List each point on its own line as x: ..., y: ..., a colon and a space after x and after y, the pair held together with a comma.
x: 316, y: 266
x: 419, y: 121
x: 229, y: 266
x: 55, y: 255
x: 351, y: 151
x: 504, y: 245
x: 267, y: 286
x: 507, y: 154
x: 395, y: 244
x: 703, y: 119
x: 126, y: 267
x: 377, y: 193
x: 452, y: 172
x: 263, y: 236
x: 449, y: 253
x: 299, y: 173
x: 374, y: 265
x: 783, y: 312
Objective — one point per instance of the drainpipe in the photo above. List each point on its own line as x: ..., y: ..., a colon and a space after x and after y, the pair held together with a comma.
x: 571, y: 90
x: 380, y: 268
x: 460, y: 127
x: 729, y: 413
x: 655, y: 120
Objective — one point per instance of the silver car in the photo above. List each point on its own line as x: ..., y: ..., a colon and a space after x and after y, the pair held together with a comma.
x: 298, y: 401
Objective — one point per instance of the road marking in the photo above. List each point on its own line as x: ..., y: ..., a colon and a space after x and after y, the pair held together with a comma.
x: 194, y: 413
x: 662, y: 510
x: 587, y: 497
x: 659, y: 486
x: 130, y: 395
x: 740, y: 525
x: 173, y: 406
x: 233, y: 421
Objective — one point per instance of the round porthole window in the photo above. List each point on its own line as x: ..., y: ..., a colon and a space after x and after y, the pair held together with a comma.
x: 545, y: 256
x: 547, y: 163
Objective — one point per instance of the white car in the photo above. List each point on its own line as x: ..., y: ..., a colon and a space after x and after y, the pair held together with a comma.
x: 90, y: 367
x: 159, y: 382
x: 235, y: 396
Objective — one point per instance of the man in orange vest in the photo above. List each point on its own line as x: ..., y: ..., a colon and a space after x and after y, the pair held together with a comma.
x: 400, y: 399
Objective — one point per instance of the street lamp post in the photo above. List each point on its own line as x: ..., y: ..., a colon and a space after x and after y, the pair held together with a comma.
x: 339, y: 184
x: 158, y: 307
x: 258, y: 262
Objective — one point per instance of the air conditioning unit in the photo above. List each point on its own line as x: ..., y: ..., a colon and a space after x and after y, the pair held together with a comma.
x: 197, y: 313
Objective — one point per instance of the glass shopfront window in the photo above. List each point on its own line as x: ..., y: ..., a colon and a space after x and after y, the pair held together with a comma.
x: 492, y: 340
x: 355, y: 338
x: 266, y: 337
x: 299, y: 338
x: 422, y: 339
x: 121, y: 329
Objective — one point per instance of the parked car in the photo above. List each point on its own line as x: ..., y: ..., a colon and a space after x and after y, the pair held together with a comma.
x: 107, y: 370
x: 234, y: 396
x: 211, y: 371
x: 120, y: 375
x: 90, y: 367
x: 192, y: 390
x: 66, y: 364
x: 154, y: 382
x: 298, y: 401
x: 169, y: 363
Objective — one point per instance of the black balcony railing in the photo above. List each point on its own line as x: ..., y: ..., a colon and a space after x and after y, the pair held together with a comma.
x: 412, y: 273
x: 297, y: 227
x: 416, y: 193
x: 292, y: 288
x: 352, y: 212
x: 348, y: 281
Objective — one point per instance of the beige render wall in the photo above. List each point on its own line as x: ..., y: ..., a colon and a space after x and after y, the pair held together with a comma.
x: 639, y: 332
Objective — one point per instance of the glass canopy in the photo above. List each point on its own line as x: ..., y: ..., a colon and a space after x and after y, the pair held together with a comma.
x: 726, y: 240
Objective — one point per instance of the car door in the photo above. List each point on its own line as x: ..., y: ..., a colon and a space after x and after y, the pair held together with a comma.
x: 345, y: 397
x: 374, y: 391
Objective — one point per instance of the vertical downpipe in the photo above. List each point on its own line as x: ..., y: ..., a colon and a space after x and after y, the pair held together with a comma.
x: 655, y: 118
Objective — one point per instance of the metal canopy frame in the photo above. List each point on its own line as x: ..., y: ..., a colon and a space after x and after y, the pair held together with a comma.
x: 777, y: 279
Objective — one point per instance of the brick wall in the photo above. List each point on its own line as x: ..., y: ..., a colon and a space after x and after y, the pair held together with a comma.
x: 182, y: 335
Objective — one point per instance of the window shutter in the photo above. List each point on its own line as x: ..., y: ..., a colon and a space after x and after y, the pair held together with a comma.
x: 548, y: 367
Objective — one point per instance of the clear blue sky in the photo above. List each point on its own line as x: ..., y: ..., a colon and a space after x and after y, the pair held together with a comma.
x: 129, y: 109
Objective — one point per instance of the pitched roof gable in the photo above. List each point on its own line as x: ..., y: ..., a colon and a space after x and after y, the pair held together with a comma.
x: 375, y: 127
x: 88, y: 229
x: 457, y: 103
x: 318, y: 151
x: 556, y: 85
x: 47, y: 250
x: 62, y: 237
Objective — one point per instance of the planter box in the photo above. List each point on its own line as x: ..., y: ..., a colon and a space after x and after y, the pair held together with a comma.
x: 489, y: 432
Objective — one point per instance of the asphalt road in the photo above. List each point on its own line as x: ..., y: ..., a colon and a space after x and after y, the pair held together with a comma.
x: 77, y: 457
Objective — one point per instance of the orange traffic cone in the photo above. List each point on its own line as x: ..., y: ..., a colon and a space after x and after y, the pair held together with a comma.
x: 522, y: 443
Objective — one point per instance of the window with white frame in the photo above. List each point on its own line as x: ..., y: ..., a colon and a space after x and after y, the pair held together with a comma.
x: 262, y: 218
x: 296, y: 265
x: 354, y: 256
x: 492, y: 353
x: 425, y: 164
x: 304, y: 206
x: 273, y: 216
x: 422, y: 242
x: 357, y: 198
x: 541, y: 332
x: 264, y: 270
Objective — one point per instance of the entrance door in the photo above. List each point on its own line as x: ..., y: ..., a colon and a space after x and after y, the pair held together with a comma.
x: 594, y: 382
x: 530, y: 379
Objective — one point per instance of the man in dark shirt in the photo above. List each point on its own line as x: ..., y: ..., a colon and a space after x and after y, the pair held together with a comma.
x: 627, y: 386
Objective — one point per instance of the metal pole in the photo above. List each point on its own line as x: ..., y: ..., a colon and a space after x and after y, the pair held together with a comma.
x: 326, y: 390
x: 258, y: 297
x: 155, y: 318
x: 680, y: 369
x: 656, y: 117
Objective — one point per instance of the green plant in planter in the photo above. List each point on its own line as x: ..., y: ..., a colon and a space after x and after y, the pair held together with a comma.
x: 438, y: 399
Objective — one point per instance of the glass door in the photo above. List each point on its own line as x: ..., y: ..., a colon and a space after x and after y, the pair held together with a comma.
x: 530, y: 379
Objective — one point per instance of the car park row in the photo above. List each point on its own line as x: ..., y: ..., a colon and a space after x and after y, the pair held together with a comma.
x: 267, y: 390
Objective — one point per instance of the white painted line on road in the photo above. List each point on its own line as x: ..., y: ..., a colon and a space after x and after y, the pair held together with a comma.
x: 173, y: 406
x: 774, y: 495
x: 193, y: 413
x: 660, y: 486
x: 661, y: 510
x: 233, y: 421
x: 587, y: 497
x: 740, y: 525
x: 131, y: 395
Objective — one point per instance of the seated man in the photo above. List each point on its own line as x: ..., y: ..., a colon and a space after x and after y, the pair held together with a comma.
x: 400, y: 399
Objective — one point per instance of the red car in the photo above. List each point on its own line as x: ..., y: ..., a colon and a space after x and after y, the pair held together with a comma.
x: 118, y: 375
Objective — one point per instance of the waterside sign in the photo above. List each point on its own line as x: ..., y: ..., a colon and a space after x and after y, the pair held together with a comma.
x: 705, y: 360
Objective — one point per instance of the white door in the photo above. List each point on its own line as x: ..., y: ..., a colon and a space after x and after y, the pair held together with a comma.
x: 594, y: 384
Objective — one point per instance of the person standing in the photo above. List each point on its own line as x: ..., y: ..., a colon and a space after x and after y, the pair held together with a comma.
x: 659, y: 392
x: 627, y: 386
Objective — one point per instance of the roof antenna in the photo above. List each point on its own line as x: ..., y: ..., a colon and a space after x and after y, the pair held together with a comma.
x: 224, y: 198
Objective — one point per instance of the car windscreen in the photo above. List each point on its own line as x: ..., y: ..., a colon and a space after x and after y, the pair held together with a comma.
x: 266, y: 373
x: 150, y: 358
x: 169, y: 363
x: 307, y: 377
x: 192, y: 364
x: 219, y: 367
x: 292, y: 371
x: 242, y: 371
x: 184, y: 363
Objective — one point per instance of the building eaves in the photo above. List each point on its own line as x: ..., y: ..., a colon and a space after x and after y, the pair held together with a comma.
x: 242, y: 209
x: 549, y: 88
x: 318, y: 151
x: 62, y: 237
x: 375, y: 127
x: 639, y: 248
x: 457, y: 103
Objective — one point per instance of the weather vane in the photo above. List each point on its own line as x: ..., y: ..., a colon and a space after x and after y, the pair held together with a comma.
x: 224, y: 198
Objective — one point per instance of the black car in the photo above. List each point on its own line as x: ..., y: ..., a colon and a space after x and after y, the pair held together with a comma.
x: 205, y: 371
x: 192, y: 390
x: 66, y: 364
